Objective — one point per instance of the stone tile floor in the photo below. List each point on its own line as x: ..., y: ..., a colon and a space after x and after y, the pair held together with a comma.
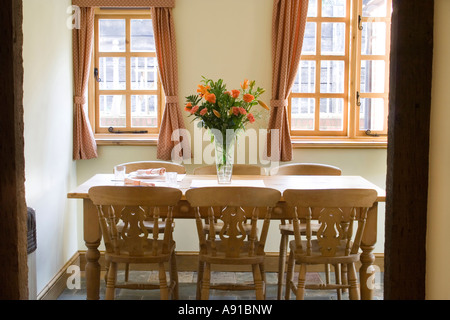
x: 187, y: 287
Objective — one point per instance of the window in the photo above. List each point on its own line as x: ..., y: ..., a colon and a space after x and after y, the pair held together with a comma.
x: 341, y: 88
x: 127, y: 92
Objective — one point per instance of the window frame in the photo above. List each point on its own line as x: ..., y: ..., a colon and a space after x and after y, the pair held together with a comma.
x: 351, y: 135
x: 101, y: 134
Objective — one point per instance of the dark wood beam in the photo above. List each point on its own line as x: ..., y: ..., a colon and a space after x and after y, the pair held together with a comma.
x: 13, y: 211
x: 408, y: 149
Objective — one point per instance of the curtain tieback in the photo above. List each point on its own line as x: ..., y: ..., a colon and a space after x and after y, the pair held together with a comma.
x: 172, y: 99
x: 279, y: 103
x: 79, y: 100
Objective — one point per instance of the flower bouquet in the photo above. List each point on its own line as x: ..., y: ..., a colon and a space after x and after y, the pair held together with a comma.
x: 225, y: 113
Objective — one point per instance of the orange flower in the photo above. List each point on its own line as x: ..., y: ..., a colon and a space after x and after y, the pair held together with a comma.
x: 235, y: 111
x: 250, y: 118
x: 211, y: 98
x: 242, y: 111
x: 203, y: 90
x: 188, y: 107
x: 227, y: 92
x: 244, y: 85
x: 248, y: 98
x: 216, y: 113
x: 194, y: 109
x: 203, y: 111
x: 235, y: 93
x: 262, y: 104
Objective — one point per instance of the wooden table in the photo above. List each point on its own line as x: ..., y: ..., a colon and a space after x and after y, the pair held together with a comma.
x: 92, y: 233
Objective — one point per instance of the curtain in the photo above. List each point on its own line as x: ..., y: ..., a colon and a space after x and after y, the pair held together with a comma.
x: 288, y: 29
x: 84, y: 145
x: 166, y: 52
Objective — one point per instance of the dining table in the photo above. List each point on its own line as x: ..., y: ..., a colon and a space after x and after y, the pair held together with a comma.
x: 92, y: 233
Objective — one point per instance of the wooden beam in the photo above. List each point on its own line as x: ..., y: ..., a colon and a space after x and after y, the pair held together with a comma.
x: 13, y: 211
x: 408, y: 149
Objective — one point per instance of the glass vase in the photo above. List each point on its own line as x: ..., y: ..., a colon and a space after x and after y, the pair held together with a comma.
x: 224, y: 147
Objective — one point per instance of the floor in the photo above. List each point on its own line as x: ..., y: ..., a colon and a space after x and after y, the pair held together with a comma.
x: 187, y: 287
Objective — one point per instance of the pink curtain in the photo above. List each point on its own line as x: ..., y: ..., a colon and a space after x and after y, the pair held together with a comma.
x: 166, y: 52
x: 84, y: 145
x: 289, y: 21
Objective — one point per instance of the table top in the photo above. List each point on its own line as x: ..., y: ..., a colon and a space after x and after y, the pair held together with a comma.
x: 280, y: 183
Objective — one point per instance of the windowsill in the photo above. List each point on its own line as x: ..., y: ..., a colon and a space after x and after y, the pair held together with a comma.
x: 126, y: 140
x: 297, y: 142
x: 339, y: 143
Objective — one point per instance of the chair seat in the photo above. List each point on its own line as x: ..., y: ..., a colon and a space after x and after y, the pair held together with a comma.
x: 288, y: 229
x: 316, y: 256
x: 220, y: 257
x: 147, y: 257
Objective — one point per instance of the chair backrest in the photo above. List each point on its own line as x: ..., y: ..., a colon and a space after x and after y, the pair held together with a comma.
x: 306, y: 169
x: 122, y: 211
x: 238, y: 169
x: 233, y: 206
x: 336, y: 210
x: 140, y: 165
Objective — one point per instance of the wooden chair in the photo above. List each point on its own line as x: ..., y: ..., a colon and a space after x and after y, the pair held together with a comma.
x: 140, y: 165
x: 307, y: 169
x: 338, y: 212
x: 232, y: 246
x: 286, y: 227
x: 238, y: 169
x: 122, y: 211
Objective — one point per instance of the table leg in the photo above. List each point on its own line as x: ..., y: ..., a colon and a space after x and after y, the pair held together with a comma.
x: 367, y: 258
x: 92, y: 238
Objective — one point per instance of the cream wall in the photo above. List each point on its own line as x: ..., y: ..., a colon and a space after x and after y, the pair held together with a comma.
x: 232, y: 40
x: 49, y: 169
x: 438, y: 236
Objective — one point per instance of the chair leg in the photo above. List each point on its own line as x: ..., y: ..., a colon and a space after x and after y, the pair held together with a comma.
x: 354, y: 293
x: 344, y: 276
x: 301, y: 282
x: 259, y: 284
x: 111, y: 282
x: 201, y: 267
x: 164, y: 289
x: 327, y: 273
x: 282, y: 264
x: 337, y: 273
x: 127, y: 271
x: 289, y: 276
x: 174, y: 277
x: 206, y: 281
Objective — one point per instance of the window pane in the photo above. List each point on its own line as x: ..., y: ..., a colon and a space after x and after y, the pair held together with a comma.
x: 312, y: 8
x: 112, y: 35
x: 371, y: 114
x: 144, y: 111
x: 374, y: 8
x: 309, y: 40
x: 112, y: 72
x: 305, y: 81
x: 143, y: 74
x: 331, y: 114
x: 302, y: 113
x: 332, y: 76
x: 373, y: 38
x: 372, y: 76
x: 333, y: 8
x: 333, y: 39
x: 112, y: 111
x: 142, y: 37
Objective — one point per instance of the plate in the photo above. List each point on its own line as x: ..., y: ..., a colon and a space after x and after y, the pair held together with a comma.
x: 135, y: 175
